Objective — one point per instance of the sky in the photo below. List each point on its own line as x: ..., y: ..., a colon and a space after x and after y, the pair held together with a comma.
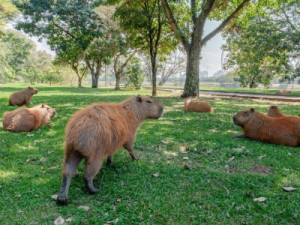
x: 211, y: 53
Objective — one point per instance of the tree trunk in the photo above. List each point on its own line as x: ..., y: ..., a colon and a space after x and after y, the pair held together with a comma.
x: 191, y: 86
x: 79, y: 81
x: 154, y: 70
x: 95, y: 79
x: 118, y: 79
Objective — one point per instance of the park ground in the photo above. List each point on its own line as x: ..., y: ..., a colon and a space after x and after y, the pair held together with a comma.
x: 190, y: 170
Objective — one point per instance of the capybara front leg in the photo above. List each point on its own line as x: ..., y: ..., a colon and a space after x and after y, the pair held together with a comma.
x: 129, y: 148
x: 238, y: 136
x: 27, y: 102
x: 109, y: 160
x: 92, y: 167
x: 70, y: 166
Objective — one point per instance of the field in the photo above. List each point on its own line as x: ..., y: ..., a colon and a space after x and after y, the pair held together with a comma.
x: 190, y: 170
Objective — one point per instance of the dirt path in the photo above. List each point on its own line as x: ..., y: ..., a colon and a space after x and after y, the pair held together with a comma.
x: 287, y: 98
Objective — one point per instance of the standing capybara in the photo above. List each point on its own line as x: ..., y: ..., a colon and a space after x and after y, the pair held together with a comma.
x: 275, y: 112
x: 97, y: 131
x: 197, y: 106
x: 27, y: 119
x: 274, y: 130
x: 22, y: 97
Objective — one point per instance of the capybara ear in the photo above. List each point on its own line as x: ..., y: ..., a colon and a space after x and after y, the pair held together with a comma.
x: 29, y: 87
x: 43, y: 106
x: 138, y: 98
x: 252, y: 110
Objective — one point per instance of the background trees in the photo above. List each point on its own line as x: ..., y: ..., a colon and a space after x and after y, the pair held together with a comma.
x: 266, y: 48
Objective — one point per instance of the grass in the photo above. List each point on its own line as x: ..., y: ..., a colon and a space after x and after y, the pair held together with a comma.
x: 242, y: 90
x: 198, y: 182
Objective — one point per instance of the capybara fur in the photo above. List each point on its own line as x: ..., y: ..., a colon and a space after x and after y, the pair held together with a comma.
x: 99, y: 130
x: 283, y: 92
x: 197, y: 106
x: 275, y: 112
x: 275, y: 130
x: 20, y: 98
x: 27, y: 119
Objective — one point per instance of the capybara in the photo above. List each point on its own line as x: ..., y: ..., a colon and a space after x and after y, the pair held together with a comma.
x: 27, y: 119
x: 275, y: 112
x: 274, y: 130
x: 197, y: 106
x: 283, y: 92
x: 97, y: 131
x: 20, y: 98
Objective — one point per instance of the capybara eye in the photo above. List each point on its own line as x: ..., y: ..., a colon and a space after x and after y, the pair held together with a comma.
x: 148, y: 101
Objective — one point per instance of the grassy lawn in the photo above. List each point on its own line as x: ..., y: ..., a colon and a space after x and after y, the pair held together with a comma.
x: 202, y: 175
x: 242, y: 90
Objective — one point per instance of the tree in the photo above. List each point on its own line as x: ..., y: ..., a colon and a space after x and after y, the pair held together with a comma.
x: 68, y: 26
x: 133, y: 75
x: 7, y: 11
x: 187, y: 19
x: 266, y: 48
x: 146, y: 23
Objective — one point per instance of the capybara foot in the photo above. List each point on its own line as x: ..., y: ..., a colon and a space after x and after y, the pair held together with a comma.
x: 90, y: 187
x: 134, y: 157
x: 61, y: 200
x: 92, y: 190
x: 109, y: 161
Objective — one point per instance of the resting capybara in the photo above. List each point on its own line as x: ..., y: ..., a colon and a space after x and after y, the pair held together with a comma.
x: 274, y: 130
x: 22, y: 97
x: 275, y: 112
x: 283, y: 92
x: 97, y: 131
x: 197, y: 106
x: 27, y: 119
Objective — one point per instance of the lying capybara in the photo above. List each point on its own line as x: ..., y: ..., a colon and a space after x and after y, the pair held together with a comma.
x: 275, y: 112
x: 27, y: 119
x: 283, y: 92
x: 274, y: 130
x: 20, y: 98
x: 197, y: 106
x: 97, y: 131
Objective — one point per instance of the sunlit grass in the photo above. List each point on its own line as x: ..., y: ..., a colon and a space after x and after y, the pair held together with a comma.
x: 198, y: 182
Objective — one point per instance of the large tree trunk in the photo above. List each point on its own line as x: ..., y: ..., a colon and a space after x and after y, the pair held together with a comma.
x: 191, y: 86
x: 154, y: 70
x: 95, y: 79
x: 118, y: 79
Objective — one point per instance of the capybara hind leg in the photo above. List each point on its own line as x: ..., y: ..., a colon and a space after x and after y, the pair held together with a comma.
x: 70, y: 166
x: 109, y: 160
x: 92, y: 167
x: 129, y: 148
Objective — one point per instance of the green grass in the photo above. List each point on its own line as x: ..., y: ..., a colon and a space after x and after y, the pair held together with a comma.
x: 214, y: 190
x: 242, y: 90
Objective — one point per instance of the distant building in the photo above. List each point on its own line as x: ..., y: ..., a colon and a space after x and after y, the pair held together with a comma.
x: 203, y: 74
x: 219, y: 73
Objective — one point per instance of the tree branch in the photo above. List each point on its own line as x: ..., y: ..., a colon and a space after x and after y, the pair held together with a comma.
x: 174, y: 25
x: 225, y: 22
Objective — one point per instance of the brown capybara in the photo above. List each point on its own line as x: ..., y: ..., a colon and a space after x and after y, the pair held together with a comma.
x: 275, y: 112
x: 197, y: 106
x: 274, y: 130
x: 99, y: 130
x: 20, y: 98
x: 283, y: 92
x: 27, y: 119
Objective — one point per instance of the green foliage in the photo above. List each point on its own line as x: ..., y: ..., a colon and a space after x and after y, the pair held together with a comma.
x: 7, y: 11
x: 134, y: 76
x: 210, y: 189
x: 266, y: 48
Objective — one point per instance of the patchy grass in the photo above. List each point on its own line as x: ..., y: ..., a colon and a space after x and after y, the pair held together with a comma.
x: 201, y: 174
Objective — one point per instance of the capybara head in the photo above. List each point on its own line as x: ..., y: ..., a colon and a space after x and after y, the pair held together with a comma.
x: 274, y: 111
x: 243, y: 117
x: 32, y: 90
x: 50, y: 110
x: 144, y: 107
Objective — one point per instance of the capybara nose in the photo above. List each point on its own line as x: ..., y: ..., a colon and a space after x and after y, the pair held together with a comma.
x: 234, y: 119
